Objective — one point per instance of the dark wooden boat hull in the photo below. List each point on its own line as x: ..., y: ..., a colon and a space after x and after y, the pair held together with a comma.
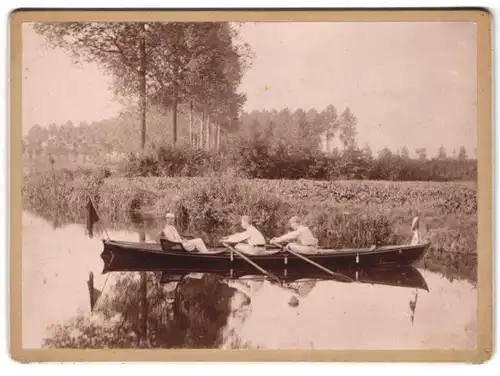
x: 400, y: 276
x: 131, y: 256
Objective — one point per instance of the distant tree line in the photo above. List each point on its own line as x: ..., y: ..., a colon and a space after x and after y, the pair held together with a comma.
x: 322, y: 145
x: 103, y: 139
x: 263, y: 144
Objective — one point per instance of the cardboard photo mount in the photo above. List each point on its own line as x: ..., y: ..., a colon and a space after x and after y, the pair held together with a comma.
x: 483, y: 20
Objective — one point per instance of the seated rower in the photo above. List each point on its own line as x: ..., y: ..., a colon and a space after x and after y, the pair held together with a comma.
x: 170, y: 233
x: 250, y: 241
x: 300, y: 239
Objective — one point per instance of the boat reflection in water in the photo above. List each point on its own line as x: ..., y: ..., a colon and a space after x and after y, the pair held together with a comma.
x: 197, y: 308
x: 189, y: 288
x: 245, y: 284
x: 302, y: 281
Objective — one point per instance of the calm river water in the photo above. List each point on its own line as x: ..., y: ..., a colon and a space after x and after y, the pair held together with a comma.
x: 331, y: 315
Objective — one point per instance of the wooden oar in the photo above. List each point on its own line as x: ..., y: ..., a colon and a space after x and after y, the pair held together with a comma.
x: 337, y: 275
x: 262, y: 270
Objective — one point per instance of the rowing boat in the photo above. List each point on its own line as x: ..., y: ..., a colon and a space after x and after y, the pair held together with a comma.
x: 142, y: 256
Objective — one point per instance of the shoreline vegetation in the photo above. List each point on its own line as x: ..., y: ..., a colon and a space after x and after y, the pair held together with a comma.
x: 345, y: 213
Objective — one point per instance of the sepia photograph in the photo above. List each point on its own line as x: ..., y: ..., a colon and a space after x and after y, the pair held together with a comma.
x: 249, y: 185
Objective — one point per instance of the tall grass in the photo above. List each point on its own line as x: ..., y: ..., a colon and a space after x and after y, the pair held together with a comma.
x: 62, y: 194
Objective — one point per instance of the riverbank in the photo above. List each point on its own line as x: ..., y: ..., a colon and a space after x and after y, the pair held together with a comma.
x: 342, y: 213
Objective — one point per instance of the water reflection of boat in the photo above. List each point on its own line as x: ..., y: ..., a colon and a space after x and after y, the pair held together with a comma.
x: 401, y: 276
x: 133, y: 256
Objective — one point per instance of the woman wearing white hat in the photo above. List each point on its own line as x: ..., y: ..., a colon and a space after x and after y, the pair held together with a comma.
x: 170, y: 233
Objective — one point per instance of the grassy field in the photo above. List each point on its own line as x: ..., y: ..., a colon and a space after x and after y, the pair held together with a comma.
x: 342, y: 213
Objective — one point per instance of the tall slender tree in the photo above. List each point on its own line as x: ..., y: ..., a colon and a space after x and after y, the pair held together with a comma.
x: 120, y: 48
x: 405, y: 153
x: 462, y: 154
x: 348, y: 128
x: 441, y: 152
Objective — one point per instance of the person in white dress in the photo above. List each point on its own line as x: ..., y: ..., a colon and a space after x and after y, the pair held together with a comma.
x: 300, y: 239
x: 171, y: 234
x: 250, y: 241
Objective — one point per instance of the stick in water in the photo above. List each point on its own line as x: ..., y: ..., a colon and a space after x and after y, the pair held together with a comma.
x: 252, y: 263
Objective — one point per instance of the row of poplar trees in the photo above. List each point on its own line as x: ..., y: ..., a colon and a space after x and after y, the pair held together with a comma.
x: 196, y: 66
x: 167, y: 64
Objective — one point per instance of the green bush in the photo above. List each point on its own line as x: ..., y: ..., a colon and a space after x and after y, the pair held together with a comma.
x: 172, y: 161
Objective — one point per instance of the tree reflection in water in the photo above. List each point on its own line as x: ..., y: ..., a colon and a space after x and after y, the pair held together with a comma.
x: 192, y: 315
x: 201, y: 310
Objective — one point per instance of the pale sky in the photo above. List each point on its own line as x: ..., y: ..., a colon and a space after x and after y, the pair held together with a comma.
x: 409, y: 84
